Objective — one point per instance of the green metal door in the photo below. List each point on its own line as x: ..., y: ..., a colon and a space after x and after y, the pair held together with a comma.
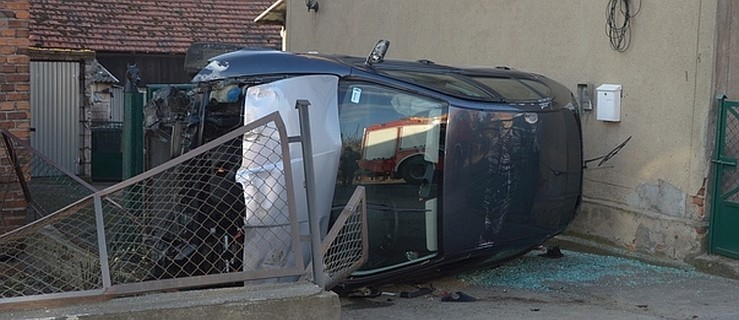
x: 724, y: 231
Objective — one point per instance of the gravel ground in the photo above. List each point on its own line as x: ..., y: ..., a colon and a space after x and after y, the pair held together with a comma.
x: 578, y: 285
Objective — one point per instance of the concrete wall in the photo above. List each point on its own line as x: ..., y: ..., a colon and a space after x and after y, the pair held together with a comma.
x: 14, y: 96
x: 727, y: 52
x: 649, y: 197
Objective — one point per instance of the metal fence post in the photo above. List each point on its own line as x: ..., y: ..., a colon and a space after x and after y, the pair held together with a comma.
x: 133, y: 119
x: 310, y: 185
x: 102, y: 242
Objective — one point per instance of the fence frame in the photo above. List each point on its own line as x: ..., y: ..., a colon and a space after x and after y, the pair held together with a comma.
x: 724, y: 216
x: 351, y: 222
x: 109, y: 290
x: 357, y: 205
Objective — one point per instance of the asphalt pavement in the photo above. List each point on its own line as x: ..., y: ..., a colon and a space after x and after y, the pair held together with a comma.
x: 576, y: 286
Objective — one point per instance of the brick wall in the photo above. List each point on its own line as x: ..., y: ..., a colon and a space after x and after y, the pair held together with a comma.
x: 14, y: 99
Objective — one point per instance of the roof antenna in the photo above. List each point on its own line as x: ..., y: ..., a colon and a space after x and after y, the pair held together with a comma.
x: 378, y: 52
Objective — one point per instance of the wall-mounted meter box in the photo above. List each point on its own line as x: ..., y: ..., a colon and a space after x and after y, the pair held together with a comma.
x: 608, y: 102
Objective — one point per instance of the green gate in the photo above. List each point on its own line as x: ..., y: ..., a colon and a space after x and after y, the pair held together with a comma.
x: 724, y: 233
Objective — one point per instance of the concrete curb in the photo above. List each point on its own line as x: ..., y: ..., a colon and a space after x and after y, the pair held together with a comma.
x: 300, y: 300
x: 717, y: 265
x: 705, y: 263
x: 583, y: 245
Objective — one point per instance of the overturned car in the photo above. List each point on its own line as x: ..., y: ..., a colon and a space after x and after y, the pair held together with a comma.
x: 461, y: 166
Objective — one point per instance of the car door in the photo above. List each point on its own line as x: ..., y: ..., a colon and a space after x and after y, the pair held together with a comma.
x: 391, y: 144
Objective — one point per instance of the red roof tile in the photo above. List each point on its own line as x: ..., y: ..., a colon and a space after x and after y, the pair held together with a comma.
x: 152, y: 26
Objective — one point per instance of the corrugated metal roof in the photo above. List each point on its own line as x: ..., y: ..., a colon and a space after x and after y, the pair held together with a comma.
x: 148, y: 26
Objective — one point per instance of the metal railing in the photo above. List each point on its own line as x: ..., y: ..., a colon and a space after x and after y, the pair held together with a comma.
x: 179, y: 225
x: 224, y: 213
x: 345, y: 248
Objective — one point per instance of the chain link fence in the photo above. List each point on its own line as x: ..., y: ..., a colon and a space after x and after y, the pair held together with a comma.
x: 184, y: 220
x: 345, y: 248
x: 223, y: 213
x: 731, y: 150
x: 25, y: 173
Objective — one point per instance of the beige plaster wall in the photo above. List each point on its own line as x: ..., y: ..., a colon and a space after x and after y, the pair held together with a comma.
x: 667, y: 76
x: 727, y: 59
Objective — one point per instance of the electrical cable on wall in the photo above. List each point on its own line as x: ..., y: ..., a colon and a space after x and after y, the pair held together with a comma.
x: 618, y: 22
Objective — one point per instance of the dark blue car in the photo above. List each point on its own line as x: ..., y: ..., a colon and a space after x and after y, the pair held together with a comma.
x: 461, y: 166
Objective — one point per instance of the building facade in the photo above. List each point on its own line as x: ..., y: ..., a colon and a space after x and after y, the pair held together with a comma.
x: 652, y: 196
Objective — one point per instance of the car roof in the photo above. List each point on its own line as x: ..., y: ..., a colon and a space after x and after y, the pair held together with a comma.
x: 505, y: 83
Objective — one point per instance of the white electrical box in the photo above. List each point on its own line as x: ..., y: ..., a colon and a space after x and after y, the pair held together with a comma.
x: 608, y: 102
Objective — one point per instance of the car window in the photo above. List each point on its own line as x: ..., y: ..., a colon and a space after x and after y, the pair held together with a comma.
x: 513, y: 89
x: 445, y: 83
x: 391, y: 145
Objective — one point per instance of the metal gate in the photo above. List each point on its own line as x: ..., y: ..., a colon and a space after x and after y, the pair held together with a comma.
x: 180, y: 225
x: 55, y: 111
x: 724, y: 238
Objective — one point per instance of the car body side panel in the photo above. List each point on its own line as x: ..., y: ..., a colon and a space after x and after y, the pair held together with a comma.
x: 263, y: 187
